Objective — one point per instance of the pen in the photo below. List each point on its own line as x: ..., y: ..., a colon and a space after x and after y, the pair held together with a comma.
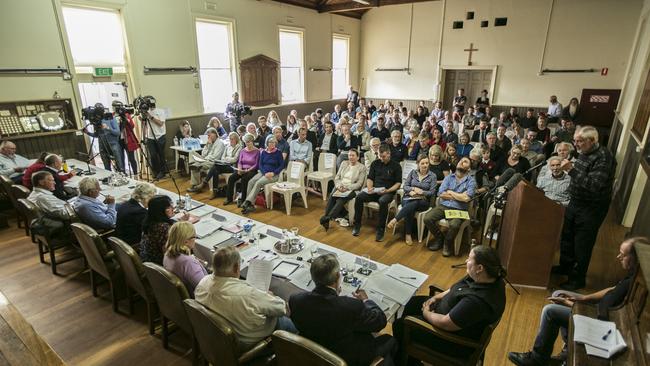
x: 607, y: 335
x: 359, y: 288
x: 308, y: 283
x: 408, y: 278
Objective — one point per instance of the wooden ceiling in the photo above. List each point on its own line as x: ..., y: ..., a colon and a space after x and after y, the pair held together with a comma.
x: 349, y: 8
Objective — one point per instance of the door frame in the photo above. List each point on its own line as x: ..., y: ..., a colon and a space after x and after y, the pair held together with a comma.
x: 443, y: 72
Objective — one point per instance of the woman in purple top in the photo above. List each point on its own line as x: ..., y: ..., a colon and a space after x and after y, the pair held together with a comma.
x: 271, y: 164
x: 247, y: 165
x: 178, y: 258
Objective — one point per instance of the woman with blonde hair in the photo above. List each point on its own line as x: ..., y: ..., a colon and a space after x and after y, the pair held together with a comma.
x: 273, y: 119
x: 215, y: 123
x: 437, y: 164
x: 178, y: 255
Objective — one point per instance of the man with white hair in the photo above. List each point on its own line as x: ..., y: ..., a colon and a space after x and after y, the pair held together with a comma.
x: 556, y: 183
x: 93, y: 212
x: 53, y: 164
x: 12, y: 165
x: 211, y: 152
x: 592, y: 176
x: 43, y: 197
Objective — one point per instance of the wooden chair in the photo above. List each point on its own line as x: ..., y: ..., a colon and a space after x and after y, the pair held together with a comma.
x: 135, y: 278
x: 218, y: 341
x: 422, y: 352
x: 295, y: 183
x: 47, y: 243
x: 326, y: 172
x: 99, y: 260
x: 170, y: 292
x: 19, y: 192
x: 6, y: 186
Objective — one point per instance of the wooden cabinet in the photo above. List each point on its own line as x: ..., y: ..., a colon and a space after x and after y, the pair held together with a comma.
x: 260, y: 77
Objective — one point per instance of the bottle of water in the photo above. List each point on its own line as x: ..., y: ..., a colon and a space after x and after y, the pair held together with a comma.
x: 188, y: 201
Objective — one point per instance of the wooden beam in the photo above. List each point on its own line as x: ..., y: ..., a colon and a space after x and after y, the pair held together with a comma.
x: 301, y: 3
x: 352, y: 5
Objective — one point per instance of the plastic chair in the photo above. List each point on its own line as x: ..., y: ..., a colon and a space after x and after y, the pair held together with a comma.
x: 464, y: 227
x: 295, y: 183
x: 326, y: 172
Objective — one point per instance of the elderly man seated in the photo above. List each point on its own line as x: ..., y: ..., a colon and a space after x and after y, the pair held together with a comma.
x: 343, y: 324
x: 253, y: 314
x: 43, y: 197
x: 555, y: 316
x: 12, y: 165
x: 555, y: 183
x: 211, y: 152
x: 99, y: 215
x: 455, y: 192
x: 53, y: 164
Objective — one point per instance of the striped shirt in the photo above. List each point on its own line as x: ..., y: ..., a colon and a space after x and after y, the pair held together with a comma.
x: 555, y: 188
x: 592, y: 175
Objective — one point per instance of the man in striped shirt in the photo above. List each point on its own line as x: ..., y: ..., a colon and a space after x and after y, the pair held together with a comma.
x: 592, y: 176
x: 555, y: 183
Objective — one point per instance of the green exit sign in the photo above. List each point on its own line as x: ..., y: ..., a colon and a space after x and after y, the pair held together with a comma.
x: 103, y: 71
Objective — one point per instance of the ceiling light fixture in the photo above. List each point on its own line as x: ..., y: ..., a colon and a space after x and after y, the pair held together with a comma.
x: 364, y: 2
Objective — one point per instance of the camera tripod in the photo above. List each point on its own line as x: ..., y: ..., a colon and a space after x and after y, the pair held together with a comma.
x: 105, y: 149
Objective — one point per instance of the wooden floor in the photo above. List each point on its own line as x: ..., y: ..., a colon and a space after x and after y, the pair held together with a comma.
x: 85, y: 331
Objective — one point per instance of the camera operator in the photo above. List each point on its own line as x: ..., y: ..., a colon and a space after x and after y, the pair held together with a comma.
x: 234, y: 112
x: 154, y: 130
x: 128, y: 140
x: 107, y: 132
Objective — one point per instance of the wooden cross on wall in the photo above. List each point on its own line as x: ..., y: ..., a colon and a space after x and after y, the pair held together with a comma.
x: 470, y: 50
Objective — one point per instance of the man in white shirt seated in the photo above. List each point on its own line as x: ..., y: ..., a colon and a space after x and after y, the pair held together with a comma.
x: 300, y: 149
x: 12, y: 165
x: 253, y: 314
x: 212, y: 151
x: 555, y: 183
x: 43, y: 197
x: 100, y: 215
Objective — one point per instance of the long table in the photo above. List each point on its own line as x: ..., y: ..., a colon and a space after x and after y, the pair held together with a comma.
x: 376, y: 284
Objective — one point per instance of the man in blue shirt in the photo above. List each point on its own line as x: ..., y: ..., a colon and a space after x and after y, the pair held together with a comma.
x: 107, y: 133
x: 455, y: 193
x: 300, y: 149
x: 93, y: 212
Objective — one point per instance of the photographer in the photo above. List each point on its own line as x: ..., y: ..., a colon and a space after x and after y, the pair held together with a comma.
x: 154, y: 130
x: 107, y: 132
x: 128, y: 141
x: 235, y: 112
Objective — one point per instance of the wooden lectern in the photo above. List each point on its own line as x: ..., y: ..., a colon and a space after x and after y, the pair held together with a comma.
x: 530, y: 235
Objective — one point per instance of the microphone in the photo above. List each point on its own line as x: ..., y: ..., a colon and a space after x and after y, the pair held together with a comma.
x: 505, y: 177
x: 535, y: 167
x: 509, y: 185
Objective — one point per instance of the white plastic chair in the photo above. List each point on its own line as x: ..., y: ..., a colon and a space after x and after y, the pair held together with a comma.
x: 326, y: 172
x: 464, y: 227
x: 295, y: 183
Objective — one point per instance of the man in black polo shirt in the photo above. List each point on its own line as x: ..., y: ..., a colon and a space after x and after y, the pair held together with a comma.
x: 380, y: 132
x: 592, y: 176
x: 555, y: 316
x: 384, y: 179
x: 398, y: 150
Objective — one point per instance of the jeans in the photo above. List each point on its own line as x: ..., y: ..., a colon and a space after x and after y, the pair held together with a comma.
x: 285, y: 323
x: 336, y: 204
x: 197, y: 169
x: 256, y: 184
x: 110, y: 147
x: 431, y: 221
x: 230, y: 190
x: 214, y: 173
x: 554, y: 318
x: 408, y: 211
x: 581, y: 223
x: 130, y: 156
x: 384, y: 201
x: 156, y: 149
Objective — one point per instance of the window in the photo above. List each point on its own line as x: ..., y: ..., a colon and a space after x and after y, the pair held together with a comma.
x: 93, y: 45
x: 291, y: 66
x: 218, y: 79
x: 340, y: 69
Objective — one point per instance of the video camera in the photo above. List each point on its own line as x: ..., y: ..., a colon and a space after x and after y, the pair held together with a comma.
x: 242, y: 110
x: 122, y: 109
x: 144, y: 104
x: 95, y: 114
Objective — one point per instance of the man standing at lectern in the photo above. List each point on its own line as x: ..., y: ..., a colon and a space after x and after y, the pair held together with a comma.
x: 592, y: 175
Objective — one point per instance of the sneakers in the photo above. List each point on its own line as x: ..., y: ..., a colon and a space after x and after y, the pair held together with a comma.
x: 523, y: 359
x: 343, y: 222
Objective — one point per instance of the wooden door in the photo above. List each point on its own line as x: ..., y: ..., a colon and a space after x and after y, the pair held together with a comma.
x: 479, y: 80
x: 597, y: 106
x: 473, y: 81
x: 642, y: 217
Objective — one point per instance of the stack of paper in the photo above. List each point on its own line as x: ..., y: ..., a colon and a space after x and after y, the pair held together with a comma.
x: 259, y: 274
x: 601, y: 338
x: 389, y: 287
x: 406, y: 275
x: 206, y: 227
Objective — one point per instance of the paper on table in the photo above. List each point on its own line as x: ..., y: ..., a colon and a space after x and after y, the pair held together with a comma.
x: 302, y: 278
x: 619, y: 345
x: 591, y: 331
x: 259, y: 274
x: 378, y: 299
x: 328, y: 161
x: 295, y: 171
x: 206, y: 227
x: 406, y: 275
x: 203, y: 210
x: 390, y: 287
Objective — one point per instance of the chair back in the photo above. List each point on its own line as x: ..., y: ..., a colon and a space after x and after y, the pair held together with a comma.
x: 217, y: 340
x: 19, y: 191
x: 292, y: 349
x: 169, y: 292
x: 327, y: 163
x: 93, y: 247
x: 132, y: 266
x: 407, y: 166
x: 6, y: 187
x: 28, y: 209
x: 296, y: 173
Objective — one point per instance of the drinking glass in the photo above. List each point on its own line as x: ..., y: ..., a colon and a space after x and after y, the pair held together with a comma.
x: 365, y: 265
x: 349, y: 272
x: 314, y: 252
x: 294, y: 231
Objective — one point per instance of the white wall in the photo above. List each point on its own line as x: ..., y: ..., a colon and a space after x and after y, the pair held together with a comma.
x: 583, y: 34
x: 160, y: 33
